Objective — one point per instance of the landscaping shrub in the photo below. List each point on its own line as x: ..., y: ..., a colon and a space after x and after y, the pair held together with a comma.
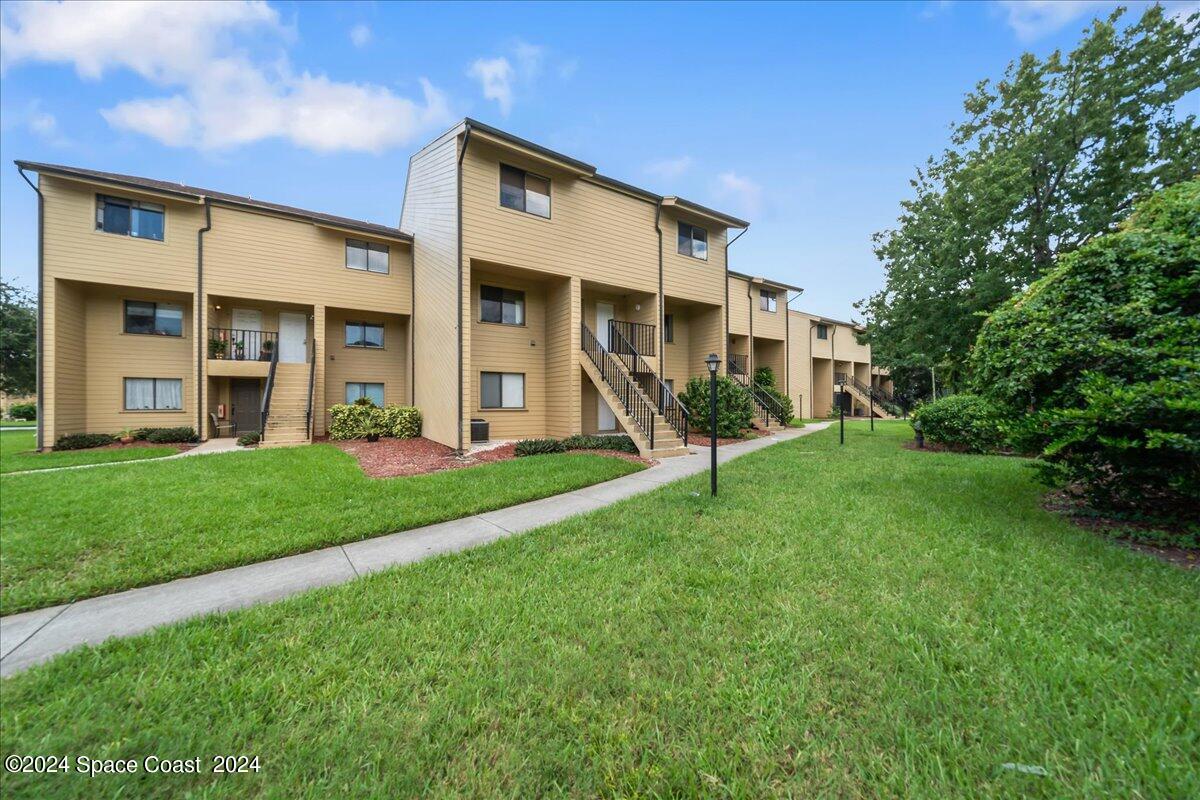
x: 610, y: 442
x: 247, y: 439
x: 356, y: 420
x: 171, y: 435
x: 539, y: 447
x: 25, y: 411
x: 83, y: 441
x: 962, y: 421
x: 1097, y: 365
x: 735, y: 409
x: 765, y: 378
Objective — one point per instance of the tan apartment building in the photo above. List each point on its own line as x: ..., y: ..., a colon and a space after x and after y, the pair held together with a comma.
x: 522, y: 288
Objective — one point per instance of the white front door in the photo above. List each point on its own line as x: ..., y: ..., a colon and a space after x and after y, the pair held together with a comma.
x: 293, y: 336
x: 247, y: 322
x: 606, y: 420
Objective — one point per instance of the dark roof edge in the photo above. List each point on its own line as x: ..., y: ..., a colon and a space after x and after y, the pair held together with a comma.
x: 771, y: 281
x: 729, y: 219
x: 830, y: 320
x: 218, y: 198
x: 613, y: 183
x: 582, y: 166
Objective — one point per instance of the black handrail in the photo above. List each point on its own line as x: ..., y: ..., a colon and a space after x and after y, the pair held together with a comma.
x: 880, y: 396
x: 768, y: 406
x: 663, y: 398
x: 637, y: 336
x: 266, y: 401
x: 240, y: 344
x: 637, y: 407
x: 739, y: 363
x: 312, y: 377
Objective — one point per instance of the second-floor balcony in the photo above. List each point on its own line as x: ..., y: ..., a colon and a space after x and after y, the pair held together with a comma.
x: 237, y: 351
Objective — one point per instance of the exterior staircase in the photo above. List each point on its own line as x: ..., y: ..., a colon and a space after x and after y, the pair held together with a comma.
x: 654, y: 427
x: 288, y: 404
x: 768, y: 414
x: 870, y: 396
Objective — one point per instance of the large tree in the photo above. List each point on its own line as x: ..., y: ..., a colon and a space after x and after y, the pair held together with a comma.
x: 1047, y: 158
x: 18, y: 340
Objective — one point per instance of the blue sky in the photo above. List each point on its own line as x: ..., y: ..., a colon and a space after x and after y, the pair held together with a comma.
x: 806, y: 119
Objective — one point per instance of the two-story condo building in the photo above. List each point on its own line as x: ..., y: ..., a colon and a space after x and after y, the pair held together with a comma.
x: 521, y: 288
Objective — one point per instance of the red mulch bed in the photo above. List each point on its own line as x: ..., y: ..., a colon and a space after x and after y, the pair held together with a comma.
x: 1122, y: 532
x: 394, y: 458
x: 702, y: 440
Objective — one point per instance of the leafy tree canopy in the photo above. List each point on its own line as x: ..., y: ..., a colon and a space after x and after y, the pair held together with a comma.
x: 1047, y: 158
x: 18, y: 340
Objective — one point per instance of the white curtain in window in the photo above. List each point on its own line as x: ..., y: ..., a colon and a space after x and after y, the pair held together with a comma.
x: 139, y: 393
x: 169, y: 393
x: 512, y: 390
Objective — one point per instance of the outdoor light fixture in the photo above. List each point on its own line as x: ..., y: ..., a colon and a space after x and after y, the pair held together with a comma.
x: 841, y: 393
x: 712, y: 362
x: 918, y: 433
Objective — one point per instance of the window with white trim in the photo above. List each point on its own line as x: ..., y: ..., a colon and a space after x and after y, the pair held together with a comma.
x: 153, y: 394
x: 501, y: 390
x: 366, y: 256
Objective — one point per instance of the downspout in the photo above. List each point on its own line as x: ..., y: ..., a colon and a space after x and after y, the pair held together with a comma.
x: 750, y: 346
x: 662, y: 300
x: 201, y: 305
x: 40, y: 292
x: 725, y: 343
x: 458, y: 175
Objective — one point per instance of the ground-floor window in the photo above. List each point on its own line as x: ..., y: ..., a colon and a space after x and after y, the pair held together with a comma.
x: 371, y: 391
x: 501, y: 390
x: 153, y: 394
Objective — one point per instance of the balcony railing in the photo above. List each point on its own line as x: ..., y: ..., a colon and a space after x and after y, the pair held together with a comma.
x: 738, y: 363
x: 236, y: 344
x: 636, y: 338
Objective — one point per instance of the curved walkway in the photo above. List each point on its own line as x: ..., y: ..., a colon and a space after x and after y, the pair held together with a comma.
x: 34, y: 636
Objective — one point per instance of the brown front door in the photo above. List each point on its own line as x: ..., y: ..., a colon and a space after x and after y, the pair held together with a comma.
x: 246, y: 405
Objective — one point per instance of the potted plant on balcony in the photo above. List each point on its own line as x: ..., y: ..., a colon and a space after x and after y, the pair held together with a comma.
x: 239, y: 350
x: 217, y: 347
x: 265, y: 351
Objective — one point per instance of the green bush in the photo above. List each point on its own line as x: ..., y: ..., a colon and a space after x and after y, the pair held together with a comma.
x: 609, y: 442
x: 1097, y: 365
x: 25, y: 411
x: 171, y: 435
x: 765, y: 378
x: 247, y: 439
x: 83, y: 441
x: 735, y: 409
x: 961, y: 421
x: 539, y: 447
x: 356, y: 420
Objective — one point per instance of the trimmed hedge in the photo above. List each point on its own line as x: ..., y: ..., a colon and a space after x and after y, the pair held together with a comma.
x: 619, y: 442
x: 735, y: 409
x: 357, y: 420
x: 170, y: 435
x: 83, y: 441
x: 539, y: 447
x: 247, y: 439
x: 25, y: 411
x: 965, y: 422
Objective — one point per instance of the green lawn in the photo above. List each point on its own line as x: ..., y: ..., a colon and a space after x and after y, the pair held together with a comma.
x: 17, y: 454
x: 17, y: 423
x: 70, y: 535
x: 840, y: 622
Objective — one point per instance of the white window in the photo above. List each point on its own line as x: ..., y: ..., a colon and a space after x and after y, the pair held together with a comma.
x: 371, y: 391
x: 153, y: 394
x: 501, y: 390
x: 767, y: 300
x: 366, y: 256
x: 524, y: 191
x: 693, y: 241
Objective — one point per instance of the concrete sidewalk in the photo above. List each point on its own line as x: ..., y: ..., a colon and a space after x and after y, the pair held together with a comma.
x: 34, y: 636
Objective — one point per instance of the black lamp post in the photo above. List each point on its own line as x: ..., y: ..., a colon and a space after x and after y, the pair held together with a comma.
x: 841, y: 396
x: 871, y: 395
x: 713, y: 361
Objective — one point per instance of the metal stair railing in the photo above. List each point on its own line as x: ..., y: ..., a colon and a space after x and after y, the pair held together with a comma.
x: 312, y: 378
x: 637, y: 407
x: 768, y: 405
x: 664, y: 399
x: 265, y: 410
x: 638, y: 337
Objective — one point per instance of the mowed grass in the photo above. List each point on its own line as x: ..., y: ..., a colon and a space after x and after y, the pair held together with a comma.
x: 17, y: 454
x: 841, y: 622
x: 17, y: 423
x: 69, y: 535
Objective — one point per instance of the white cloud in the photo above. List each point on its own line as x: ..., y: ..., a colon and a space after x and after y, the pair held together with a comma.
x: 223, y: 96
x: 360, y: 35
x: 529, y: 59
x: 669, y: 167
x: 743, y: 193
x: 43, y: 124
x: 935, y: 8
x: 1033, y: 19
x: 568, y: 68
x: 495, y: 76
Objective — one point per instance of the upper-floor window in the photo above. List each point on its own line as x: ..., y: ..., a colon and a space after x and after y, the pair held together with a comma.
x: 364, y: 334
x: 129, y: 217
x: 366, y: 256
x: 506, y: 306
x: 768, y: 300
x: 524, y: 191
x: 669, y: 328
x: 822, y: 331
x: 693, y: 241
x: 161, y: 319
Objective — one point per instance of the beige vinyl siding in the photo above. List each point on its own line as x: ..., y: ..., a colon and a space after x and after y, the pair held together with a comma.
x: 678, y: 355
x: 707, y: 335
x: 771, y: 353
x: 431, y: 214
x: 693, y: 278
x: 386, y: 365
x: 593, y: 232
x: 497, y: 347
x: 739, y: 306
x: 799, y: 382
x: 767, y: 325
x: 563, y: 374
x: 64, y: 360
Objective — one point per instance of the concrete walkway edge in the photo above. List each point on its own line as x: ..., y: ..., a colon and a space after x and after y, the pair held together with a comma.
x: 34, y: 636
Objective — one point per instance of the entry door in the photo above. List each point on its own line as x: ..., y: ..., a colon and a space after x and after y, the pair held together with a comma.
x: 606, y: 420
x: 293, y: 335
x: 247, y: 322
x: 246, y: 411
